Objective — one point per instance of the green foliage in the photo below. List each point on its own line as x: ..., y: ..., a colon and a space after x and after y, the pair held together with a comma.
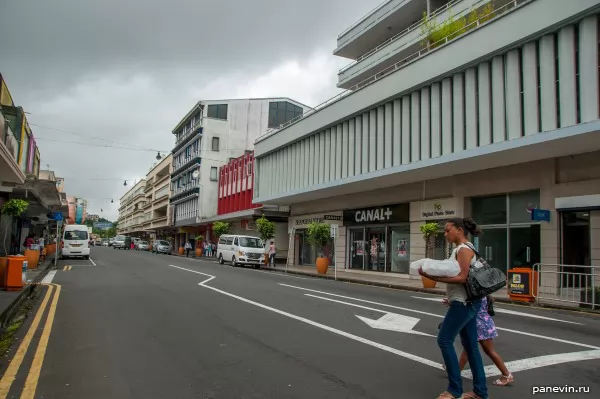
x: 318, y: 234
x: 429, y: 229
x: 199, y: 237
x: 266, y: 228
x: 220, y: 228
x: 14, y: 207
x: 437, y: 34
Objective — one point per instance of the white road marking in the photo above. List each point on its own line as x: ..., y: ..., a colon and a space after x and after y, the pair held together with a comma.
x: 49, y: 277
x: 512, y: 312
x: 389, y: 321
x: 90, y: 259
x: 540, y: 361
x: 318, y: 325
x: 441, y: 316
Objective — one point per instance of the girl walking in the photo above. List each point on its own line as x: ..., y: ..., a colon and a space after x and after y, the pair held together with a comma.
x: 486, y: 332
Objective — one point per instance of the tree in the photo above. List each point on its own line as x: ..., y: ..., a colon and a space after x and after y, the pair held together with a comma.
x: 220, y: 228
x: 266, y: 228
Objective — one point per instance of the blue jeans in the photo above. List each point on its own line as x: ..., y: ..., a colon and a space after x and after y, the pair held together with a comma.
x: 461, y: 319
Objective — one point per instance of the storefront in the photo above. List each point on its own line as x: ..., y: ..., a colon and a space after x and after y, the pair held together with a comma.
x: 436, y: 211
x: 510, y: 238
x: 301, y: 252
x: 378, y: 238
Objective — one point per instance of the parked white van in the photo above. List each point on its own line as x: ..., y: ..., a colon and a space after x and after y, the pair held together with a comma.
x: 240, y: 250
x: 75, y: 242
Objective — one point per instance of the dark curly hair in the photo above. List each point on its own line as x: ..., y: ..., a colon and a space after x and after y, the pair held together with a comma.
x: 467, y: 224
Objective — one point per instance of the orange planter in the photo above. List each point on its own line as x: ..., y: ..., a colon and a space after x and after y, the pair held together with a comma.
x: 13, y: 280
x: 322, y: 265
x: 3, y: 266
x: 181, y: 250
x: 33, y: 257
x: 198, y: 252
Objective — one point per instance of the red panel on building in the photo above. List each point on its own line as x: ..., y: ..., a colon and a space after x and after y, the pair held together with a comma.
x: 236, y: 184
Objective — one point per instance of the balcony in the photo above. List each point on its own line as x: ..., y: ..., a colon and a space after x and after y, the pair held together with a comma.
x: 409, y: 41
x: 9, y: 168
x: 186, y: 163
x: 191, y: 133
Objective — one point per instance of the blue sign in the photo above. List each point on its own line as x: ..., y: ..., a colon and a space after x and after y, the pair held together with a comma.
x: 103, y: 225
x: 57, y: 216
x: 540, y: 215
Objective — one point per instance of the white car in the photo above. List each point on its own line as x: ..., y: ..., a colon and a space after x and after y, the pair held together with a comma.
x: 75, y: 241
x: 142, y: 245
x: 240, y: 250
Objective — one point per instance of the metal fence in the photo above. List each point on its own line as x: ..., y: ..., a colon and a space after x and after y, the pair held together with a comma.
x: 574, y: 285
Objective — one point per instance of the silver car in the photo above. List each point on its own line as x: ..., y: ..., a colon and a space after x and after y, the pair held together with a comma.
x: 161, y: 247
x: 142, y: 245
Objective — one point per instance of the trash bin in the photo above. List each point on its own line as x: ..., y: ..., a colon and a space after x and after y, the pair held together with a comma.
x: 522, y: 284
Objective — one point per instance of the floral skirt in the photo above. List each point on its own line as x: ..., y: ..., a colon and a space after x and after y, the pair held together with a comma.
x: 486, y: 328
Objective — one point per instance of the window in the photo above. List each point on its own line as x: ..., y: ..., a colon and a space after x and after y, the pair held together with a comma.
x: 217, y: 111
x: 213, y: 173
x: 71, y: 235
x: 281, y: 112
x: 248, y: 242
x: 215, y: 144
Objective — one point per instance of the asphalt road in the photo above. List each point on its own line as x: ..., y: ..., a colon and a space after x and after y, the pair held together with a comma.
x: 140, y: 325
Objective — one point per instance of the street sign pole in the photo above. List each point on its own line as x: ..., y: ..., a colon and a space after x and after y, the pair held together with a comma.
x: 57, y: 246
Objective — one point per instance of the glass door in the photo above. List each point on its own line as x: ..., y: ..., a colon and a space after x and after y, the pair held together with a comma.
x: 357, y: 249
x: 376, y: 245
x: 399, y: 249
x: 492, y: 245
x: 525, y: 243
x: 576, y: 250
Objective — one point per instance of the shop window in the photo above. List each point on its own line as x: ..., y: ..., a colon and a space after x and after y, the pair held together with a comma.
x: 521, y: 204
x: 489, y: 210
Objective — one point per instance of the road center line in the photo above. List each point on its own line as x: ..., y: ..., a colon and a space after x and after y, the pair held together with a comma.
x: 441, y: 316
x: 11, y: 372
x: 318, y: 325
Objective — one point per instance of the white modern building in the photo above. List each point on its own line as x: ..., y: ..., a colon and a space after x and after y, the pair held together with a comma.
x: 208, y: 137
x: 499, y: 121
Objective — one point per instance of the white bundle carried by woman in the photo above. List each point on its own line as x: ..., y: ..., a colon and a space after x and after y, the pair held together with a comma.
x: 438, y: 268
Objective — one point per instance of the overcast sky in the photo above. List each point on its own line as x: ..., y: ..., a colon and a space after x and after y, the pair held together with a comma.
x: 129, y: 70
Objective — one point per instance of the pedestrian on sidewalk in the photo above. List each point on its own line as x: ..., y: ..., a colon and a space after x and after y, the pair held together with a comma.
x: 188, y: 247
x: 461, y: 317
x: 272, y: 253
x: 486, y: 332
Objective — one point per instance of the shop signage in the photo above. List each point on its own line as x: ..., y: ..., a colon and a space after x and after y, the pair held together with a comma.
x: 540, y: 215
x: 377, y: 215
x: 438, y: 209
x: 306, y: 220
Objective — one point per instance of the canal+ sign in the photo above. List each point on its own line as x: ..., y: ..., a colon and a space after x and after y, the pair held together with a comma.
x: 385, y: 214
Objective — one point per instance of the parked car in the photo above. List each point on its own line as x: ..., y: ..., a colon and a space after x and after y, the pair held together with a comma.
x: 240, y: 250
x: 75, y: 241
x: 142, y: 245
x: 122, y: 242
x: 161, y: 247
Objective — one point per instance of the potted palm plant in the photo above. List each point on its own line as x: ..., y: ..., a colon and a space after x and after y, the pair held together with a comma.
x: 14, y: 208
x: 319, y: 235
x: 429, y: 230
x: 266, y: 230
x: 199, y: 248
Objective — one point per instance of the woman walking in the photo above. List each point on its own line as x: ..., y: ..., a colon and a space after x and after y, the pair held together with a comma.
x: 486, y: 332
x: 461, y: 316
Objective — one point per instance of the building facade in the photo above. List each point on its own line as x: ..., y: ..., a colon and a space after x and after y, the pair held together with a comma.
x: 131, y: 211
x: 211, y: 135
x: 496, y: 121
x: 157, y: 193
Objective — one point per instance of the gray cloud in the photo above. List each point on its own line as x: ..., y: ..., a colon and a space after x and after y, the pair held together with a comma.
x: 129, y: 70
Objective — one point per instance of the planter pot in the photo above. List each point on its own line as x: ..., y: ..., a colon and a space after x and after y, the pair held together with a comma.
x: 181, y: 251
x: 33, y: 257
x: 3, y: 266
x: 427, y: 283
x: 198, y: 252
x: 322, y: 265
x: 266, y: 259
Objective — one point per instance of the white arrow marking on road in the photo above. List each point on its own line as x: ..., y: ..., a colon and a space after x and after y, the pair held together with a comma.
x: 389, y: 321
x: 513, y: 312
x: 394, y: 322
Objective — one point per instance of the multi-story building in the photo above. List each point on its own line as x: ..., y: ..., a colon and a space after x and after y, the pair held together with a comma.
x: 234, y: 204
x: 93, y: 218
x: 157, y: 192
x: 131, y: 211
x: 498, y: 120
x: 208, y: 137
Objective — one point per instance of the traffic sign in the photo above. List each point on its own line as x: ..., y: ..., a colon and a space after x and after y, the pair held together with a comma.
x: 57, y: 216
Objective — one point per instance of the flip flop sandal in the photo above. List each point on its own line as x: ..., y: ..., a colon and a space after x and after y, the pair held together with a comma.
x: 448, y: 395
x: 504, y: 380
x: 470, y: 395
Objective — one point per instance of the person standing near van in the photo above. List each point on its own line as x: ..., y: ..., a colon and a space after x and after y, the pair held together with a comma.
x: 188, y: 247
x: 272, y: 253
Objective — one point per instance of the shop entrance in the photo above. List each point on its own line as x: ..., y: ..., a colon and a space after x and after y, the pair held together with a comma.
x: 576, y: 248
x: 379, y: 248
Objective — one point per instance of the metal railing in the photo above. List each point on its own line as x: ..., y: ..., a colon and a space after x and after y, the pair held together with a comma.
x: 403, y: 33
x: 367, y: 15
x: 398, y: 65
x: 572, y: 284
